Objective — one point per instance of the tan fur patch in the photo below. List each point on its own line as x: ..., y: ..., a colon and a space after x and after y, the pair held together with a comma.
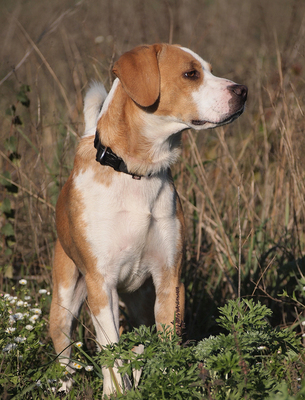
x: 139, y: 74
x: 65, y: 270
x: 71, y: 227
x: 97, y: 297
x: 173, y: 64
x: 85, y: 159
x: 65, y: 274
x: 171, y: 294
x: 120, y: 129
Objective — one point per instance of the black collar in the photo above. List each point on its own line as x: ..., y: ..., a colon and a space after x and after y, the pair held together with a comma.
x: 105, y: 156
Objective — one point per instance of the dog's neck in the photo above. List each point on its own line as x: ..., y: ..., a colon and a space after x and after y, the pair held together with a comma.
x: 131, y: 133
x: 105, y: 156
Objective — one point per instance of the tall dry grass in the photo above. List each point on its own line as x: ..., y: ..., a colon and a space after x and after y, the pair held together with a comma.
x: 242, y: 185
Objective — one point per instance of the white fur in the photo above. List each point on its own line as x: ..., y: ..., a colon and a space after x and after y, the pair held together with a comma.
x: 130, y: 212
x: 140, y: 233
x: 109, y: 98
x: 94, y: 99
x: 212, y: 98
x: 204, y: 64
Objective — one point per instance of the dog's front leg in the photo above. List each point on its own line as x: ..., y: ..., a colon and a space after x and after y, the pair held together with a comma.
x: 104, y: 306
x: 169, y: 305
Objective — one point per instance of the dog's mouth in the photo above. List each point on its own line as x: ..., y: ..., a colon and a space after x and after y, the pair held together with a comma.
x: 228, y: 120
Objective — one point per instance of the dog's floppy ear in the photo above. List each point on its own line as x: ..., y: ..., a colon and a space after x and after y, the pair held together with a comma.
x: 138, y: 72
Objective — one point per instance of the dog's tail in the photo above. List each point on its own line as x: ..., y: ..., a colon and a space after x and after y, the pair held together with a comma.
x: 94, y: 100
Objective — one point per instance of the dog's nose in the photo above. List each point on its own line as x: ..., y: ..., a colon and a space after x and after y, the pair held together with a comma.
x: 239, y: 90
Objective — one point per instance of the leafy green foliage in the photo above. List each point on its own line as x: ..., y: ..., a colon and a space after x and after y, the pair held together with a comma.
x: 7, y: 232
x: 22, y: 95
x: 169, y: 369
x: 253, y: 359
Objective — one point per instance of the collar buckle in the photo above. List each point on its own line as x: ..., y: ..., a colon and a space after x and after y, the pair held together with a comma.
x: 100, y: 154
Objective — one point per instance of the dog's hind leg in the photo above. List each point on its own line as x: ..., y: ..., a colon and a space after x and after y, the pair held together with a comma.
x: 69, y: 293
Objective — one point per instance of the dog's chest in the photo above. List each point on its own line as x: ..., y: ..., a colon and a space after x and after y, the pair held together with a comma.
x: 131, y: 226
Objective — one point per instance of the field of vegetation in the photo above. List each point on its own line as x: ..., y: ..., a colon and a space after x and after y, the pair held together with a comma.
x: 242, y: 188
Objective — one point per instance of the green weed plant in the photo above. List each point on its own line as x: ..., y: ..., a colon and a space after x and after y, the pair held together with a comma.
x: 249, y: 360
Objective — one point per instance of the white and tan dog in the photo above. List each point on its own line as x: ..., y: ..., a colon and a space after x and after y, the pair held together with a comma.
x: 119, y: 219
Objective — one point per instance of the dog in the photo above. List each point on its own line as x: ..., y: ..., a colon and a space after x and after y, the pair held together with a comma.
x: 118, y: 217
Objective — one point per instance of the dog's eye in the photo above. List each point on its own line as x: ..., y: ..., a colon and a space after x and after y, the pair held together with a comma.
x: 193, y: 74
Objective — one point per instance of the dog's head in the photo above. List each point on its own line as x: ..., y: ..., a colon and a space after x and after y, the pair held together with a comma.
x: 173, y: 82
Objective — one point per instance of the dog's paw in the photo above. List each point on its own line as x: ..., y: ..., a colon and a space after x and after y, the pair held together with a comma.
x: 137, y: 373
x: 66, y: 385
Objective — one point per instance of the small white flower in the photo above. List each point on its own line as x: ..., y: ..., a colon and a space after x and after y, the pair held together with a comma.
x: 89, y: 368
x: 10, y: 330
x: 36, y: 311
x: 9, y: 347
x: 303, y: 335
x: 20, y: 339
x: 6, y: 296
x: 11, y: 320
x: 29, y: 327
x: 79, y: 344
x: 18, y: 316
x: 261, y: 348
x: 42, y: 291
x: 27, y: 298
x: 26, y: 304
x: 77, y: 366
x: 38, y: 383
x: 20, y: 303
x: 13, y: 301
x: 33, y: 318
x: 23, y: 281
x: 303, y: 323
